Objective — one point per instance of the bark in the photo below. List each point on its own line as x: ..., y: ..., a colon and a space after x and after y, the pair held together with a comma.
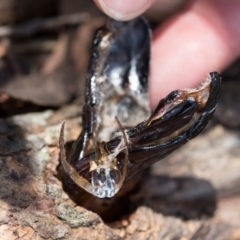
x: 192, y: 194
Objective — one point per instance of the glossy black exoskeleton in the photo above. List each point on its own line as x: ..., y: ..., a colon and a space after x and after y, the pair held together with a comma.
x: 119, y: 138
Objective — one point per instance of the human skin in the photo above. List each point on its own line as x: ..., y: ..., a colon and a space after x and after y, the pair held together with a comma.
x: 203, y: 37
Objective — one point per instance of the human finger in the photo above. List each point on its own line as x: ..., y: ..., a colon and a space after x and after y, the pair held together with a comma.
x: 123, y: 9
x: 204, y: 37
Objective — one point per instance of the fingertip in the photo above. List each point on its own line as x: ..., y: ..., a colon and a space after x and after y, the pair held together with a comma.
x: 192, y: 44
x: 125, y: 9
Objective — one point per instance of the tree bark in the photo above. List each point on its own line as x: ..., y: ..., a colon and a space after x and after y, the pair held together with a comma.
x: 177, y: 200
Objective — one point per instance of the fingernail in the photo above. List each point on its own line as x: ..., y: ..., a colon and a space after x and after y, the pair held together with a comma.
x: 124, y: 9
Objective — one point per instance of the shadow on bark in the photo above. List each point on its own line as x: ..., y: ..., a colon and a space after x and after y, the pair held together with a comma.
x: 17, y: 168
x: 182, y: 197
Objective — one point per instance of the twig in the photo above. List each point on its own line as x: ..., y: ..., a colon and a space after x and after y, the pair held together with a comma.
x: 38, y: 25
x: 43, y: 46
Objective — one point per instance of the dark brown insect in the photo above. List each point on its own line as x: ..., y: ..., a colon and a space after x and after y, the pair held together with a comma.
x: 119, y: 138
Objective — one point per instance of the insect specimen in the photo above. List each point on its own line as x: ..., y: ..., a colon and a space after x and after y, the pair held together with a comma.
x: 120, y: 135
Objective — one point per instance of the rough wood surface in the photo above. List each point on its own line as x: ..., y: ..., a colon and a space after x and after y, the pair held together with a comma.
x: 191, y: 195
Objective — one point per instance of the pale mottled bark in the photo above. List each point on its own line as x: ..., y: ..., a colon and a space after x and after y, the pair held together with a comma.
x: 189, y: 184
